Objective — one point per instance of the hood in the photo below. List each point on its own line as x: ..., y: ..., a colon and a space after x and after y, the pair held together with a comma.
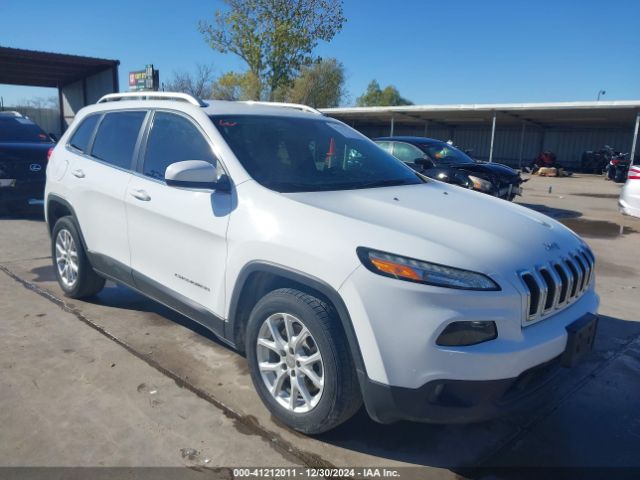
x: 446, y: 224
x: 496, y: 169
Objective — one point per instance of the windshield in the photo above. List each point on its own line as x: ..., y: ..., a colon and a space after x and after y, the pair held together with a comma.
x: 304, y: 155
x: 445, y: 154
x: 21, y: 129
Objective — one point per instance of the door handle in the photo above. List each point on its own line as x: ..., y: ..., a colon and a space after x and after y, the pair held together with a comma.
x: 78, y: 173
x: 140, y: 195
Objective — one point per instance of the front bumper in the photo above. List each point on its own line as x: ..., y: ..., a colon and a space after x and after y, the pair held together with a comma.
x: 459, y: 401
x: 408, y: 376
x: 468, y: 401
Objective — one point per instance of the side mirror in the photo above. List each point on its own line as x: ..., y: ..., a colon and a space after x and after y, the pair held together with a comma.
x: 196, y: 174
x: 424, y: 162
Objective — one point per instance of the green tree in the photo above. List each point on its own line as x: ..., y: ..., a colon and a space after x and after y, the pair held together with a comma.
x: 227, y: 87
x: 319, y: 85
x: 236, y: 86
x: 375, y: 97
x: 274, y: 37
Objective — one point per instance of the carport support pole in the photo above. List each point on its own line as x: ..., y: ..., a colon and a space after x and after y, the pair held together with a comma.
x: 635, y: 139
x: 392, y: 125
x: 493, y: 134
x: 61, y: 107
x: 521, y: 145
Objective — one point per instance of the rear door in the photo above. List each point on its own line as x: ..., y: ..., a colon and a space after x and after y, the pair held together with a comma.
x: 99, y: 172
x: 178, y: 235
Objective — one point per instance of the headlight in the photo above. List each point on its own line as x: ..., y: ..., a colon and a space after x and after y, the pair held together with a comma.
x: 417, y: 271
x: 481, y: 184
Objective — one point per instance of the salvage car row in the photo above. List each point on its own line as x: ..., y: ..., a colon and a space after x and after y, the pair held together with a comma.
x: 24, y: 149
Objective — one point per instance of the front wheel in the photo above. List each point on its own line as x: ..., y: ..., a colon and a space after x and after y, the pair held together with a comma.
x: 75, y: 274
x: 300, y: 361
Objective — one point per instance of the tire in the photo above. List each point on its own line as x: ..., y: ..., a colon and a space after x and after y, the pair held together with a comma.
x: 84, y: 281
x: 339, y: 397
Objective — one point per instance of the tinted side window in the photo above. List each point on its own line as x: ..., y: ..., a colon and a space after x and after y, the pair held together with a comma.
x: 407, y: 153
x: 172, y: 139
x: 116, y: 138
x: 82, y: 136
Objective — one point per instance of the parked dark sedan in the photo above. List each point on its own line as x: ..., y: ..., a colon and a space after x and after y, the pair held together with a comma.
x: 439, y: 160
x: 24, y: 148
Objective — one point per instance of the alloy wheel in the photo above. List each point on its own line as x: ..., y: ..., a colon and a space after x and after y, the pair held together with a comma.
x: 290, y: 362
x: 67, y: 258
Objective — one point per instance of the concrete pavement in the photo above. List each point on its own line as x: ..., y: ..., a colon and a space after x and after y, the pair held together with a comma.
x: 209, y: 385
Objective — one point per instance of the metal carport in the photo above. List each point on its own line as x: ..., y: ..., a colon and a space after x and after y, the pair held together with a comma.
x: 512, y: 132
x: 80, y: 80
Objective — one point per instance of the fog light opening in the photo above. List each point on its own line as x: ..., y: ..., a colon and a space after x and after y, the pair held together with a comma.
x: 459, y: 334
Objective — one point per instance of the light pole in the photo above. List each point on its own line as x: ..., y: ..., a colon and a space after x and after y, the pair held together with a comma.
x: 600, y: 93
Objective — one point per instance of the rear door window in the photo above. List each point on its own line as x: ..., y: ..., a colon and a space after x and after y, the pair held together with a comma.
x: 116, y: 138
x: 82, y: 136
x: 173, y: 138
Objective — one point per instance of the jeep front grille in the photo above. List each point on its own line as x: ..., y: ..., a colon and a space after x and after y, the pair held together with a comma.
x: 555, y: 285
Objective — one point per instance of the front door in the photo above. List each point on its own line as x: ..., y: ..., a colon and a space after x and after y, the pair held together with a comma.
x: 177, y: 235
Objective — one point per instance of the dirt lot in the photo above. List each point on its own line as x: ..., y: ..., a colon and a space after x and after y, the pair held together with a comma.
x: 122, y: 381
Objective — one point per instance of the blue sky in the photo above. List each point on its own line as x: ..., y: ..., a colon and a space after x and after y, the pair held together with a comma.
x: 463, y: 51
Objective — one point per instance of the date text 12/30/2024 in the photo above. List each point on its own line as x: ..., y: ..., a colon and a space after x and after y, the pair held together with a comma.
x: 305, y: 472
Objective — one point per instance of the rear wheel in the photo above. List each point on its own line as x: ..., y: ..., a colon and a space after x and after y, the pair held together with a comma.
x: 75, y: 274
x: 300, y: 361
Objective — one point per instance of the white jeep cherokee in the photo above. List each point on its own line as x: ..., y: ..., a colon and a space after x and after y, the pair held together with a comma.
x: 343, y: 275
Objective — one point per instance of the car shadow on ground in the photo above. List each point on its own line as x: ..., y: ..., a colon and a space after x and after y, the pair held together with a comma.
x: 121, y: 297
x: 118, y: 296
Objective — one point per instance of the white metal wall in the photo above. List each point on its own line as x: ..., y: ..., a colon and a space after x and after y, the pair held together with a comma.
x: 85, y: 92
x: 567, y: 143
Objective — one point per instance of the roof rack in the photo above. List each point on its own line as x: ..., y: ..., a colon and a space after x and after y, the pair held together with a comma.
x: 176, y: 96
x: 297, y: 106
